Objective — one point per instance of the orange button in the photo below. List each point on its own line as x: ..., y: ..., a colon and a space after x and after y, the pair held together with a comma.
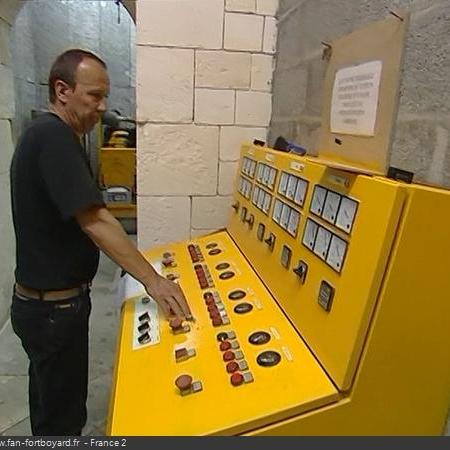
x: 175, y: 323
x: 216, y: 321
x: 183, y: 382
x: 237, y: 379
x: 225, y: 345
x: 232, y: 366
x: 228, y: 356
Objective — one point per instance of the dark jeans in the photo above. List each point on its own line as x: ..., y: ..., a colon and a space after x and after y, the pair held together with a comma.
x: 55, y: 336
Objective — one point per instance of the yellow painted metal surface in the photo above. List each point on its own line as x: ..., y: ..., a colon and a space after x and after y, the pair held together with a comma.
x: 372, y: 360
x: 402, y: 385
x: 146, y: 400
x: 336, y: 336
x: 117, y: 167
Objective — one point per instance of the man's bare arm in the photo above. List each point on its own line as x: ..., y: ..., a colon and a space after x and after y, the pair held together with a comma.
x: 107, y: 233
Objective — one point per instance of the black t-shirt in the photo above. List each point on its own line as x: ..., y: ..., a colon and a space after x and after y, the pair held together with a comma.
x: 50, y: 181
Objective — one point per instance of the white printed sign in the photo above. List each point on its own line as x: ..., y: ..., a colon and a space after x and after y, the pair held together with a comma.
x: 355, y: 99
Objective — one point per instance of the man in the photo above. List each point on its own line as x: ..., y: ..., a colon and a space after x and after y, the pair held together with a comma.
x: 60, y: 220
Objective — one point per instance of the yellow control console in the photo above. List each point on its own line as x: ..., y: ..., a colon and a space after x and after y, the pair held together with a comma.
x: 324, y: 308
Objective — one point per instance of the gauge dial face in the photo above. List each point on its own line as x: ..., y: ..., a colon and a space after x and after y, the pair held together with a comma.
x: 248, y: 188
x: 331, y: 207
x: 267, y: 201
x: 323, y: 239
x: 266, y: 175
x: 336, y: 253
x: 255, y: 195
x: 252, y: 168
x: 283, y: 183
x: 244, y: 168
x: 318, y: 200
x: 309, y: 235
x: 285, y: 216
x: 277, y: 211
x: 292, y: 184
x: 346, y: 214
x: 260, y: 172
x: 273, y: 175
x: 294, y: 220
x: 300, y: 192
x: 260, y: 200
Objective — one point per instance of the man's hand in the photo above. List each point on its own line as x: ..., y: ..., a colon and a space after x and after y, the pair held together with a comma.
x: 169, y: 297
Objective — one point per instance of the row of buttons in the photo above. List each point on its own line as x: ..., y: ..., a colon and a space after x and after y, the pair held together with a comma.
x: 195, y: 253
x: 216, y: 309
x: 144, y: 325
x: 203, y: 276
x: 234, y: 359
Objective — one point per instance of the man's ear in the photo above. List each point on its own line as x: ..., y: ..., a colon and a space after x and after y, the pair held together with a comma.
x: 62, y: 91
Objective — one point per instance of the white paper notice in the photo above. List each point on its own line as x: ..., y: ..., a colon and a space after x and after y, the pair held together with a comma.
x: 355, y: 99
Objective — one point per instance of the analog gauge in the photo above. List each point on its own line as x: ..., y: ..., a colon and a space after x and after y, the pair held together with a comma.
x: 260, y: 202
x: 292, y: 184
x: 246, y: 188
x: 273, y: 175
x: 244, y: 165
x: 336, y: 253
x: 283, y: 183
x: 267, y: 200
x: 318, y: 200
x: 300, y: 192
x: 322, y: 243
x: 241, y: 186
x: 346, y: 214
x: 309, y: 235
x: 331, y: 206
x: 255, y: 195
x: 294, y: 219
x: 266, y: 175
x: 277, y: 211
x: 286, y: 256
x: 259, y: 174
x: 285, y: 216
x: 252, y: 168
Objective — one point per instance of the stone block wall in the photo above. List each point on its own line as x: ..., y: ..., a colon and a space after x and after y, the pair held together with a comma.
x: 204, y: 85
x: 44, y: 29
x: 8, y: 10
x: 421, y: 141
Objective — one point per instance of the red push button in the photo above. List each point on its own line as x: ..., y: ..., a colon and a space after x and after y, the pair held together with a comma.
x: 183, y: 382
x: 232, y: 366
x: 237, y: 379
x: 217, y: 321
x: 228, y: 356
x: 175, y: 323
x: 225, y: 345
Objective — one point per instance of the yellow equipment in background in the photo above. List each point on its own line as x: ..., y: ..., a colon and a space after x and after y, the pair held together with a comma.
x: 117, y: 175
x: 323, y: 309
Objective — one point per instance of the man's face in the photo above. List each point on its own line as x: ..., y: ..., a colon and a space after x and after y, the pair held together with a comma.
x: 87, y: 100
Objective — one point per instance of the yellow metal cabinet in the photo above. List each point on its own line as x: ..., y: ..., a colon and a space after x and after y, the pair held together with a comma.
x: 343, y: 280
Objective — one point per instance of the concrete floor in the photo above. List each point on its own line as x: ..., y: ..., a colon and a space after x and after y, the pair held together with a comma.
x: 14, y: 418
